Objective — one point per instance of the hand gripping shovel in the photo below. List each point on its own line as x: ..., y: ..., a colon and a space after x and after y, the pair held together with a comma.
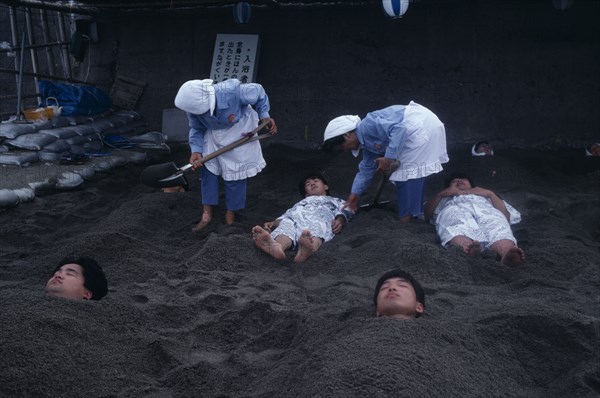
x: 169, y: 175
x: 384, y: 179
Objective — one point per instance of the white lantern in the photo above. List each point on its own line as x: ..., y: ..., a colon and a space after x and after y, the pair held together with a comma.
x: 395, y: 8
x: 241, y: 13
x: 562, y: 4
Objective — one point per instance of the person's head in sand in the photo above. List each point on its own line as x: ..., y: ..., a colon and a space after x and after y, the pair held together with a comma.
x: 399, y: 295
x: 307, y: 225
x: 482, y: 148
x: 593, y: 149
x: 78, y: 278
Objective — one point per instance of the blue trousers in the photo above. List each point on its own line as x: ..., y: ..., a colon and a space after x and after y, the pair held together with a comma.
x: 410, y: 197
x: 235, y: 191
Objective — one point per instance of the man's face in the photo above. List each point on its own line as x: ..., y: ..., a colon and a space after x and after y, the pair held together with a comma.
x: 68, y: 282
x: 397, y: 299
x: 484, y: 148
x: 350, y: 142
x: 461, y: 183
x: 315, y: 187
x: 595, y: 149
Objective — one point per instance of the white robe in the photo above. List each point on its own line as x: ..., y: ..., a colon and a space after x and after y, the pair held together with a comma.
x: 425, y: 148
x: 475, y: 217
x: 315, y: 213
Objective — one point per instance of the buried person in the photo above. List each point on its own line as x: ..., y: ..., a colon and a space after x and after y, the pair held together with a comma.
x: 398, y: 295
x: 473, y: 218
x: 78, y: 278
x: 308, y: 224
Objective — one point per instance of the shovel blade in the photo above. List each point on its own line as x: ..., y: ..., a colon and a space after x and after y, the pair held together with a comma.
x: 152, y: 175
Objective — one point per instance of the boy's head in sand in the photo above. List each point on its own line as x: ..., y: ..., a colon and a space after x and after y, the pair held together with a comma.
x: 399, y: 295
x: 482, y: 148
x: 313, y: 184
x: 78, y: 278
x: 593, y: 149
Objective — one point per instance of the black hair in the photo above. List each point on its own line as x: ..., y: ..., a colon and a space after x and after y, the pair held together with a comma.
x: 94, y: 279
x: 458, y: 174
x: 480, y: 143
x: 315, y: 175
x: 398, y: 273
x: 329, y: 145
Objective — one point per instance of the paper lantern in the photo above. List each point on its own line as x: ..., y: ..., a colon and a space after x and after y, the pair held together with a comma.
x: 562, y: 4
x: 241, y: 13
x: 395, y: 8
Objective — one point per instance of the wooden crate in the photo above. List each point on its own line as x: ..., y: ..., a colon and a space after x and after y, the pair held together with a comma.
x: 126, y: 92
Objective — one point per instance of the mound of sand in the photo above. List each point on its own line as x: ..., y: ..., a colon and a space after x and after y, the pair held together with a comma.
x: 209, y: 315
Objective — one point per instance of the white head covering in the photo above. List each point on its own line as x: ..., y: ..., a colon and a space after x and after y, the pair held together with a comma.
x: 196, y: 97
x: 587, y: 151
x: 474, y: 153
x: 341, y: 125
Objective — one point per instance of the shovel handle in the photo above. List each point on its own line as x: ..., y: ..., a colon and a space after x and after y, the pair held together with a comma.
x: 248, y: 137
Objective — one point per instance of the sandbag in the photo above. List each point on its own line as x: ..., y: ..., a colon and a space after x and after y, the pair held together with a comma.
x: 13, y: 130
x: 57, y: 146
x: 59, y: 132
x: 69, y: 180
x: 33, y: 142
x: 8, y: 198
x: 20, y: 159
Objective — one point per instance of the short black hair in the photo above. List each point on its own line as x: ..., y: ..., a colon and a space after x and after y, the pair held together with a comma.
x: 480, y: 143
x: 94, y: 279
x: 458, y: 174
x: 315, y: 175
x: 398, y: 273
x: 329, y: 145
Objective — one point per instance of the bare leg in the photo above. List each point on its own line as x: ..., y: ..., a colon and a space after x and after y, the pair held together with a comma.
x: 307, y: 245
x: 510, y: 254
x: 273, y: 247
x: 229, y: 217
x: 206, y: 218
x: 469, y: 246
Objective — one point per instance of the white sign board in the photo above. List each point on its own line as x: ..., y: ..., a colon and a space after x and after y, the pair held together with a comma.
x: 235, y: 57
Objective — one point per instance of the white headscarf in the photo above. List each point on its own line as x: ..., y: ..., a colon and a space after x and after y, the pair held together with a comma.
x: 341, y: 125
x: 196, y: 97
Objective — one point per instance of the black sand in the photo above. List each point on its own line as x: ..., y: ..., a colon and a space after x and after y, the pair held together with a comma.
x: 209, y: 315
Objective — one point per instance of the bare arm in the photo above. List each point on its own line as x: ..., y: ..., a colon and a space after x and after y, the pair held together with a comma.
x: 497, y: 202
x: 432, y: 203
x: 337, y: 224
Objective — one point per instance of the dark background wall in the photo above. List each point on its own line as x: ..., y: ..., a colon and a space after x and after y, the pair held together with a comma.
x: 513, y: 71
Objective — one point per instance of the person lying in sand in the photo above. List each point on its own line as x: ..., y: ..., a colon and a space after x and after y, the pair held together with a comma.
x: 473, y: 219
x: 399, y: 295
x: 78, y: 278
x: 311, y: 222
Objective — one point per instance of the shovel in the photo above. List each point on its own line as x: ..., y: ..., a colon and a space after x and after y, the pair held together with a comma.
x: 169, y: 175
x: 384, y: 179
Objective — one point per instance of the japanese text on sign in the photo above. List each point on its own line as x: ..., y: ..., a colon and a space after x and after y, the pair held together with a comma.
x: 235, y: 57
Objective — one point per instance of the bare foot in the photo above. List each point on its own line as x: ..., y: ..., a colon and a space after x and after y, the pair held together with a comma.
x: 229, y: 217
x: 178, y: 188
x: 206, y: 219
x: 307, y: 245
x: 266, y: 243
x: 473, y: 249
x: 514, y: 256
